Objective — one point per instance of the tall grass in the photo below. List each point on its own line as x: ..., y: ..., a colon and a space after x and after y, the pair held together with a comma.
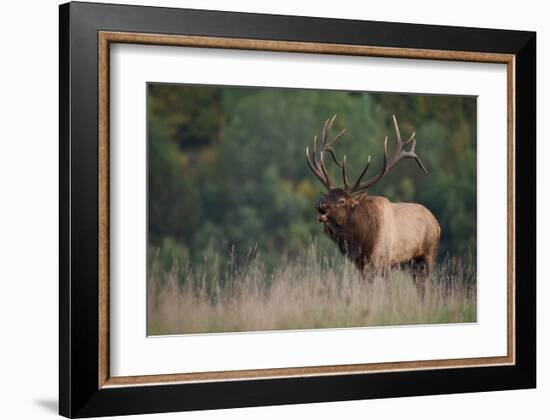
x: 304, y: 293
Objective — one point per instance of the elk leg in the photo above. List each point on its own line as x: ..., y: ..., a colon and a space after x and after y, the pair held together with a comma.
x: 368, y: 275
x: 420, y: 271
x: 429, y: 261
x: 367, y: 271
x: 382, y: 270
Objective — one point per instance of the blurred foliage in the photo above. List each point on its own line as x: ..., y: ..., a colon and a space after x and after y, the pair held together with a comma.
x: 227, y: 173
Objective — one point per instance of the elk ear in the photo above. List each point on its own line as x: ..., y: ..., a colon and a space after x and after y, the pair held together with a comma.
x: 355, y: 200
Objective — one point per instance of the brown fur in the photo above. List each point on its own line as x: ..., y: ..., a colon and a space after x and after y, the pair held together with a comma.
x: 374, y: 232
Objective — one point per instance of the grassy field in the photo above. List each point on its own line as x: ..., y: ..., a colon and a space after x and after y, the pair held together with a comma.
x: 306, y: 293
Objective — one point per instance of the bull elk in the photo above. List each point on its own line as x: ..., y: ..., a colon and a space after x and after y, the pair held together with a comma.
x: 370, y: 230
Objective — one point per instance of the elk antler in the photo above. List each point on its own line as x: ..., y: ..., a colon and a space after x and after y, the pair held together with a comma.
x: 398, y: 154
x: 317, y: 165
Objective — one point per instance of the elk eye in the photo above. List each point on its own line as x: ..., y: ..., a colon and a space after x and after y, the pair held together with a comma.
x: 341, y: 202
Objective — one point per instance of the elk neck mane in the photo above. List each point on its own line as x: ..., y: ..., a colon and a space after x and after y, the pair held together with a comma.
x: 362, y: 228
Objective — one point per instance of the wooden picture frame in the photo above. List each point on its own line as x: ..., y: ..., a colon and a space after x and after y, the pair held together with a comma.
x: 86, y: 32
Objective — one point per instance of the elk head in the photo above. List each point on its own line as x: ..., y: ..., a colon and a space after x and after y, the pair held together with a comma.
x: 334, y: 206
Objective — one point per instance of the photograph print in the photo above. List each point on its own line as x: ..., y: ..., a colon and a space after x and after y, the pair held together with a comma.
x: 290, y: 209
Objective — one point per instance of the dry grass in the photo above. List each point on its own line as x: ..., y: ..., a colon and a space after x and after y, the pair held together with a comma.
x: 304, y: 294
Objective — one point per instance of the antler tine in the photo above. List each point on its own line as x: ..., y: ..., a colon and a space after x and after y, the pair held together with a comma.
x: 344, y: 175
x: 323, y: 133
x: 329, y: 148
x: 336, y: 138
x: 341, y: 165
x: 326, y: 129
x: 414, y: 155
x: 358, y: 182
x: 314, y: 168
x: 325, y: 172
x: 411, y: 138
x: 327, y: 145
x: 397, y: 132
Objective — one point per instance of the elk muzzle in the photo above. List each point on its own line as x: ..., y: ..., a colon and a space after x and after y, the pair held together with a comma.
x: 321, y: 208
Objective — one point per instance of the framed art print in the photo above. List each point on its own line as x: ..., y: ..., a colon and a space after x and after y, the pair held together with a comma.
x: 260, y: 209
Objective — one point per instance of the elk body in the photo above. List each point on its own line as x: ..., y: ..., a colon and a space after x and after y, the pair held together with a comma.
x: 370, y: 230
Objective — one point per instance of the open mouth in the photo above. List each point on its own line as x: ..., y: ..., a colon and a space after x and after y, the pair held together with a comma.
x: 323, y: 214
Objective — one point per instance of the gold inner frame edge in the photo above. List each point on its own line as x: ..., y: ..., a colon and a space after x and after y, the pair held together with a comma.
x: 105, y: 38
